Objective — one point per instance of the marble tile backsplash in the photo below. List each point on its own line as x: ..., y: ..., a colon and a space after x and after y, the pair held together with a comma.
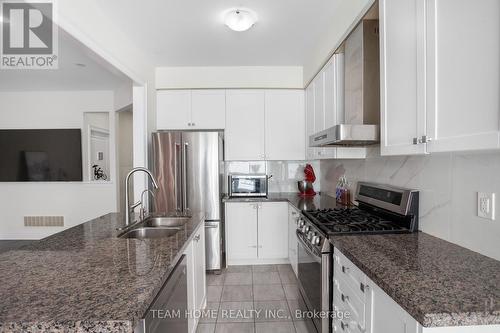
x: 285, y: 174
x: 448, y: 185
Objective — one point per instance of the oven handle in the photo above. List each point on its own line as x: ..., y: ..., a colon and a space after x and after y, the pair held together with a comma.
x: 306, y: 248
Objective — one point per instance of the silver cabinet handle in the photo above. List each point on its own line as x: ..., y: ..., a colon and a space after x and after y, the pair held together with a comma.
x: 421, y: 140
x: 344, y: 297
x: 343, y: 326
x: 345, y: 269
x: 364, y: 287
x: 197, y: 238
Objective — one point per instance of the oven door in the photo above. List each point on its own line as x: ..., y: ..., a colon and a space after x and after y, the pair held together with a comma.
x: 314, y: 270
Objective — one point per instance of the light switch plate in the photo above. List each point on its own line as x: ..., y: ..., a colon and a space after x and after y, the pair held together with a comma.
x: 486, y: 205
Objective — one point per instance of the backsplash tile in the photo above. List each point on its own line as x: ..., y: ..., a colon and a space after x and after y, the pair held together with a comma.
x: 447, y: 182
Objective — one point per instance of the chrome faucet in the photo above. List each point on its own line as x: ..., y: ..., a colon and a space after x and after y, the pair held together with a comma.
x: 142, y: 211
x: 128, y: 207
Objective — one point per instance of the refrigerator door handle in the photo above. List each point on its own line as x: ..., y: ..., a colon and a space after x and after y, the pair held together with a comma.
x: 185, y: 179
x: 177, y: 177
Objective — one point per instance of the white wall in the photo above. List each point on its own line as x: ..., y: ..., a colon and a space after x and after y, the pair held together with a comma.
x: 447, y: 183
x: 229, y: 77
x: 347, y: 13
x: 77, y: 202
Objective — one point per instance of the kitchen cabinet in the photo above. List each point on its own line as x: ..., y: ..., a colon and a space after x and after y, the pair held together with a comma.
x: 436, y: 96
x: 325, y: 109
x: 388, y: 316
x: 264, y: 125
x: 272, y: 230
x: 284, y: 125
x: 256, y: 232
x: 293, y: 255
x: 245, y: 129
x: 208, y: 109
x: 196, y: 277
x: 173, y: 109
x: 310, y: 151
x: 190, y: 109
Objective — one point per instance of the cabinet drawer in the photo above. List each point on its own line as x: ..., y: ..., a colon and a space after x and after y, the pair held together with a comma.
x: 344, y: 269
x: 345, y: 300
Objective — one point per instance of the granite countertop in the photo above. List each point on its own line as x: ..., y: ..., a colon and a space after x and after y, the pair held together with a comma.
x: 437, y: 282
x: 319, y: 201
x: 86, y: 279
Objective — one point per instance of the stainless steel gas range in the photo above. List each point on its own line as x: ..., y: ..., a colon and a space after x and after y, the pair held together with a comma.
x: 380, y: 209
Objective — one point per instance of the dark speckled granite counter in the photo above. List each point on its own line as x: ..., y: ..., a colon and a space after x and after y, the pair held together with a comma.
x: 85, y: 279
x: 437, y: 282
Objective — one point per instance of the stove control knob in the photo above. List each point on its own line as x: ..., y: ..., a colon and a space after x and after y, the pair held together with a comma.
x: 306, y: 229
x: 301, y: 223
x: 310, y: 235
x: 316, y: 240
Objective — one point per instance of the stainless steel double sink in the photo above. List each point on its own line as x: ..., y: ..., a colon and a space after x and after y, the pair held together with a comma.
x: 155, y: 227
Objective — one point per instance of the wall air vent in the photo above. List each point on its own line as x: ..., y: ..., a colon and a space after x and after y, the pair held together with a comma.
x: 44, y: 221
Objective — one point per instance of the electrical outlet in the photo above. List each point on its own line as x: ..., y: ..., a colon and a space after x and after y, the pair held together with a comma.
x: 486, y: 205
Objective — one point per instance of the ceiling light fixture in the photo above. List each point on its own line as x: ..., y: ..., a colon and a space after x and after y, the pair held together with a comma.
x: 240, y: 19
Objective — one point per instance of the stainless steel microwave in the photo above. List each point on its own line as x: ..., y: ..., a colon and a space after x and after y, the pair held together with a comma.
x: 242, y: 185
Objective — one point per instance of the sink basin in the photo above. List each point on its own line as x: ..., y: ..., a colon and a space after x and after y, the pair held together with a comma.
x: 165, y: 221
x: 143, y: 233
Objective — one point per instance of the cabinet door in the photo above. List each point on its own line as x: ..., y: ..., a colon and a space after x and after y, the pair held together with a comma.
x: 463, y: 84
x: 199, y: 267
x: 319, y: 102
x: 388, y: 316
x: 190, y: 272
x: 402, y: 76
x: 310, y: 151
x: 244, y: 135
x: 334, y: 90
x: 293, y: 217
x: 208, y: 109
x: 241, y: 231
x: 173, y: 109
x: 284, y: 126
x: 272, y: 230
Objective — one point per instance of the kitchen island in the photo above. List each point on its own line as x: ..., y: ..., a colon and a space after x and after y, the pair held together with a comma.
x: 86, y: 278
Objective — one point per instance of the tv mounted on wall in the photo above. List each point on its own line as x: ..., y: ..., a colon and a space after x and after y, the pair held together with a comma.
x: 40, y: 155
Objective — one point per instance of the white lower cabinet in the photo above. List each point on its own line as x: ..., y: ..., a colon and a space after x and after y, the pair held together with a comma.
x: 293, y: 255
x: 256, y: 232
x: 197, y: 290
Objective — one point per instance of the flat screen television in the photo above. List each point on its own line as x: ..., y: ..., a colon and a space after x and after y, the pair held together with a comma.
x: 40, y: 155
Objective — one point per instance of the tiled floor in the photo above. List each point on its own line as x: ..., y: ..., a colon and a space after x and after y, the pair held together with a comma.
x: 263, y: 288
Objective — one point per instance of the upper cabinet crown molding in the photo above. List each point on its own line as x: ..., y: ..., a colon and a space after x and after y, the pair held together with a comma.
x: 438, y: 96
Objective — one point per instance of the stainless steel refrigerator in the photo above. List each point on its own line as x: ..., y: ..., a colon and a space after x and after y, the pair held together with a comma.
x: 189, y: 171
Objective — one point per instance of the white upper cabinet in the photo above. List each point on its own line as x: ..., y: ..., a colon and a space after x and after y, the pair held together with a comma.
x: 190, y: 109
x: 439, y: 77
x: 173, y: 109
x: 402, y: 86
x: 264, y: 125
x: 463, y: 66
x: 310, y: 151
x: 319, y: 102
x: 245, y: 129
x: 208, y: 109
x: 284, y: 125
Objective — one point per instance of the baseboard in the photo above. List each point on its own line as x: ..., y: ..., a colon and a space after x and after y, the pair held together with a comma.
x: 239, y: 262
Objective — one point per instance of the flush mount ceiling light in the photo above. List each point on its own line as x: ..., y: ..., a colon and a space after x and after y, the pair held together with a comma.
x: 240, y: 19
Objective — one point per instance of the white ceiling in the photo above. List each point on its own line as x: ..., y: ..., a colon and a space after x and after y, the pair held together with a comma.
x: 192, y: 33
x: 96, y: 75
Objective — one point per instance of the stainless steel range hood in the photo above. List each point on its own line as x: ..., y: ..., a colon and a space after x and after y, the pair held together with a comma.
x: 362, y: 92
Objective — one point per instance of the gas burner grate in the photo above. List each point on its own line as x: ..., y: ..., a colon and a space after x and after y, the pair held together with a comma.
x: 352, y: 221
